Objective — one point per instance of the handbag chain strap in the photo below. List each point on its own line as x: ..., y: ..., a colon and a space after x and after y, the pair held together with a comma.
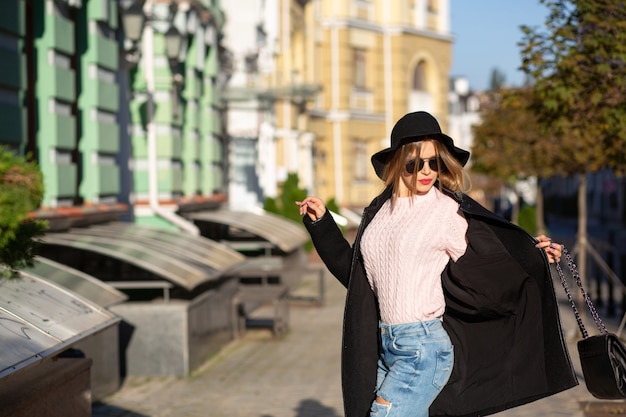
x: 592, y: 309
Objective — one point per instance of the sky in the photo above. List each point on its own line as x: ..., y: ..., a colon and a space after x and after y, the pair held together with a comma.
x: 486, y: 33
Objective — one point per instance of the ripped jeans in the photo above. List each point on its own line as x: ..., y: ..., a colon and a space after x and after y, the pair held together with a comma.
x: 415, y: 364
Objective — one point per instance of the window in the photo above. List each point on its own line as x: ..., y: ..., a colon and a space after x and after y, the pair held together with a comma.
x: 419, y: 77
x: 432, y: 6
x: 360, y: 159
x: 359, y: 68
x: 420, y: 97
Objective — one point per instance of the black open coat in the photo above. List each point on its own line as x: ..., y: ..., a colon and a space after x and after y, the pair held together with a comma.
x: 501, y: 314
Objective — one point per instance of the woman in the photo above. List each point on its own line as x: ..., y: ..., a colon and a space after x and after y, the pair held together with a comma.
x: 450, y: 309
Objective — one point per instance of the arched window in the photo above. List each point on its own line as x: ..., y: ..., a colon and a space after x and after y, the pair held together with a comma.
x: 359, y: 62
x: 361, y: 159
x: 420, y: 97
x: 419, y: 77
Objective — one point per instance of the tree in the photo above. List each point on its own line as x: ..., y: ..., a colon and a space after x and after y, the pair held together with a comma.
x: 498, y: 79
x: 507, y: 144
x: 284, y: 204
x: 21, y: 191
x: 578, y: 66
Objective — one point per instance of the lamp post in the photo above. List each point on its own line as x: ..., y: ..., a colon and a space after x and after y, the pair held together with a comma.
x: 132, y: 19
x: 140, y: 19
x: 173, y: 43
x: 148, y: 69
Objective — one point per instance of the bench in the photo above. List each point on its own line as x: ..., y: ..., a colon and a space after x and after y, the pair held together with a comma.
x: 272, y: 270
x: 249, y: 297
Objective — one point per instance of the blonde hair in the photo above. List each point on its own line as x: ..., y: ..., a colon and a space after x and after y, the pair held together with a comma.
x: 453, y: 177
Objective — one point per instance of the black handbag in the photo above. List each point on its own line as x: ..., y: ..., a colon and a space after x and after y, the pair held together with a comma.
x: 603, y: 356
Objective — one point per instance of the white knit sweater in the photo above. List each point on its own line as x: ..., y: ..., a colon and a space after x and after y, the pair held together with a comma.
x: 406, y: 249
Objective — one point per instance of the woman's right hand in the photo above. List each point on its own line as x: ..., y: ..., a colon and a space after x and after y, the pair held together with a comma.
x: 312, y: 206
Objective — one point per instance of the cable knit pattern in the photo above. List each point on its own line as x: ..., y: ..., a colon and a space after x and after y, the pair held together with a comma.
x: 406, y: 249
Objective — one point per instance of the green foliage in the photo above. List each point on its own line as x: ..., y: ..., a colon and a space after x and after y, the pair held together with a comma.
x: 284, y: 204
x: 508, y: 143
x: 578, y: 65
x: 527, y: 219
x: 20, y: 251
x: 332, y: 205
x: 21, y: 191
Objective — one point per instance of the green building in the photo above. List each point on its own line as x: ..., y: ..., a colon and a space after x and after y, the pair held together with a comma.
x: 119, y: 103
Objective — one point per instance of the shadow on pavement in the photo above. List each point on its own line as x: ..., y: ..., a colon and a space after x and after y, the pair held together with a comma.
x: 313, y: 408
x: 105, y: 410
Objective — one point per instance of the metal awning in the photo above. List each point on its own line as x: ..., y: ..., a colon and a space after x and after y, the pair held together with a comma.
x: 285, y: 234
x: 76, y: 281
x: 183, y: 272
x: 39, y: 319
x: 217, y: 255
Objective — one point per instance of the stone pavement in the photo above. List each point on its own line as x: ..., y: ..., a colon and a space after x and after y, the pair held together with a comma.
x: 298, y: 375
x: 256, y: 376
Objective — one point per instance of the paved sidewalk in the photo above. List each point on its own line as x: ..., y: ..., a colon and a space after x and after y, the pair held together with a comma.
x: 299, y: 375
x: 257, y: 376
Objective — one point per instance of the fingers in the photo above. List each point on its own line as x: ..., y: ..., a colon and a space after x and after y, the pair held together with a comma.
x: 312, y: 206
x: 544, y: 242
x: 553, y: 250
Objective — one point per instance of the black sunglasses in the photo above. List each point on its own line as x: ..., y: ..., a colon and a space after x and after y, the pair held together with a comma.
x: 436, y: 164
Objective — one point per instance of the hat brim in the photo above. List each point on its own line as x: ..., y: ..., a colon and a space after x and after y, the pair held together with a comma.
x: 381, y: 159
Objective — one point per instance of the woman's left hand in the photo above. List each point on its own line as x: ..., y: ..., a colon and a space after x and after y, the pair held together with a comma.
x: 553, y: 250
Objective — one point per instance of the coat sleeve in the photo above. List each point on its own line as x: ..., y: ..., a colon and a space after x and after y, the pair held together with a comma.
x: 333, y: 248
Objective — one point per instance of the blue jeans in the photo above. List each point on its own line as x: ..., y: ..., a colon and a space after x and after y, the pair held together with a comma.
x: 414, y: 365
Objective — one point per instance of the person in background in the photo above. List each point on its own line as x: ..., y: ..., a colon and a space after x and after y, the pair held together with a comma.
x: 450, y: 309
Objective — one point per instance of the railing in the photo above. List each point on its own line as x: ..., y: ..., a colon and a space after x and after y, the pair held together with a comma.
x: 613, y: 285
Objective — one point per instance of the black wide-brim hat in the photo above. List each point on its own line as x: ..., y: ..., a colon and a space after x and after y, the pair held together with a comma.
x: 414, y: 127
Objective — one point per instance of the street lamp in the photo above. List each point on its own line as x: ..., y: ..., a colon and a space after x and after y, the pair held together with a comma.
x: 133, y: 19
x: 173, y: 43
x: 132, y: 22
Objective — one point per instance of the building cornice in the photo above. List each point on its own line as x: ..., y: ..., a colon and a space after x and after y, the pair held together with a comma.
x: 388, y: 29
x: 342, y: 116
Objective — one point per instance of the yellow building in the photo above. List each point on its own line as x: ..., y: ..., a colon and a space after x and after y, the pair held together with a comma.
x: 375, y: 60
